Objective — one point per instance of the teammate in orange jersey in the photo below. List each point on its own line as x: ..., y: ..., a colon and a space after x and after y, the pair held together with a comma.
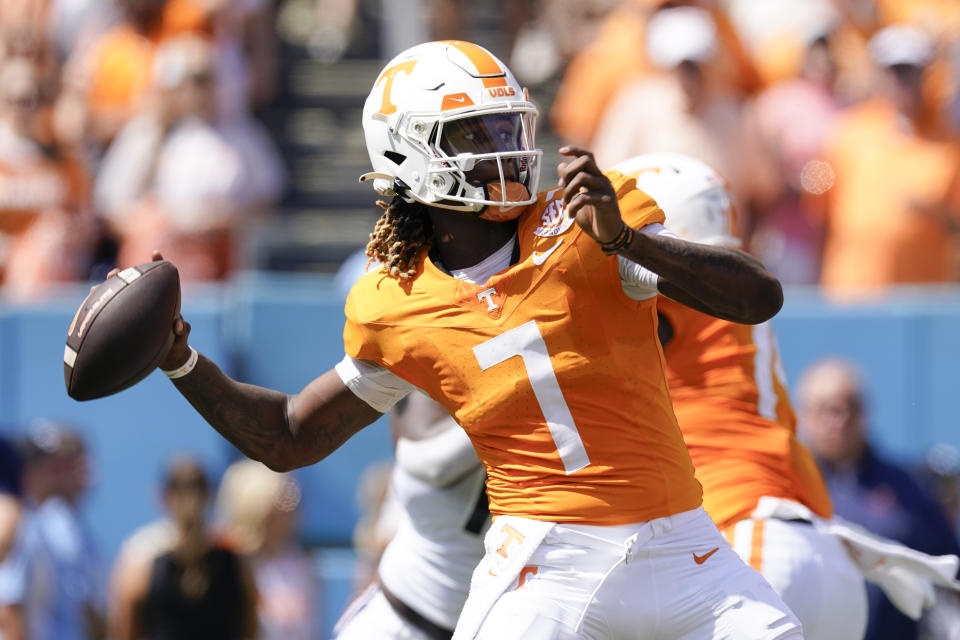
x: 760, y: 484
x: 531, y: 317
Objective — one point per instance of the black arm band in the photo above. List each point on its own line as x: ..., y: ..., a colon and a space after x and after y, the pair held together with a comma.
x: 623, y: 239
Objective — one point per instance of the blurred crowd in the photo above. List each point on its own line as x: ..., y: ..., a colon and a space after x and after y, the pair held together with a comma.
x: 912, y: 504
x: 834, y: 121
x: 126, y: 126
x: 221, y: 562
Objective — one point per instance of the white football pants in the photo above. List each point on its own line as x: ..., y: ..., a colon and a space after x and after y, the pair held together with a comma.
x: 370, y: 617
x: 673, y: 578
x: 810, y: 570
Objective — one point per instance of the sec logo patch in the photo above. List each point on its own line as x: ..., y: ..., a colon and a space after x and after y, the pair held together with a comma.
x: 553, y: 220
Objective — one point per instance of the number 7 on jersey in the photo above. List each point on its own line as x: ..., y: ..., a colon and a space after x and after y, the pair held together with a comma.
x: 527, y: 342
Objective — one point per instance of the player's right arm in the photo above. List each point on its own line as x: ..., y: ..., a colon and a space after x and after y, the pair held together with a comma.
x: 282, y: 431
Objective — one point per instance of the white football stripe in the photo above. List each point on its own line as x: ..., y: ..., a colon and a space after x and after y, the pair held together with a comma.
x: 129, y: 274
x: 69, y: 356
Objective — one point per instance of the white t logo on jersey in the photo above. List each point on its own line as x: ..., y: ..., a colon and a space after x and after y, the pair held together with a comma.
x: 487, y: 296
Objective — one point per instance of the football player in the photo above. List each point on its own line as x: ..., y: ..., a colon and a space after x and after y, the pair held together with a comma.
x: 424, y: 572
x: 760, y: 484
x: 530, y: 316
x: 437, y: 509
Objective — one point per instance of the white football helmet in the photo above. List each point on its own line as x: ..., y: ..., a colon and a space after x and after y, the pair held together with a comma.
x: 441, y: 110
x: 693, y: 196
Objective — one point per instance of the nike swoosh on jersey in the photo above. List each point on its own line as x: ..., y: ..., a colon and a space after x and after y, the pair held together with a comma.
x: 703, y: 558
x: 540, y: 258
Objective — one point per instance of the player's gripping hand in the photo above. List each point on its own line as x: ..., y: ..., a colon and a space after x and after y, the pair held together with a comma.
x: 179, y: 351
x: 588, y: 195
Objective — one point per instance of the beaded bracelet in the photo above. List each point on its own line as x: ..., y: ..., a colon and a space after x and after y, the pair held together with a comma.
x: 622, y: 239
x: 187, y: 367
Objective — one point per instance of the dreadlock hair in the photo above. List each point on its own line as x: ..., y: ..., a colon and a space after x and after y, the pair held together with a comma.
x: 400, y: 234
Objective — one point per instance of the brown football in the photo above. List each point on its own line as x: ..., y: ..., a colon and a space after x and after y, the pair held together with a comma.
x: 122, y: 330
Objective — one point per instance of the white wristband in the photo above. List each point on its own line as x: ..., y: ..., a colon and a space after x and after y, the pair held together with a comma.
x: 187, y: 367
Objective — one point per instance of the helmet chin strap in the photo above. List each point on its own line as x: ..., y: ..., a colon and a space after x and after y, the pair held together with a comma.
x: 515, y: 191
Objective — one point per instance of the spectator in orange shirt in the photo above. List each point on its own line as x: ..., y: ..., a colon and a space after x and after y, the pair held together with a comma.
x: 618, y: 54
x: 110, y: 79
x: 895, y: 197
x: 114, y: 74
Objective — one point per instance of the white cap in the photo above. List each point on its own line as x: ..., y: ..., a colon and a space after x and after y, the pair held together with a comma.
x: 901, y: 44
x: 680, y: 34
x: 817, y: 20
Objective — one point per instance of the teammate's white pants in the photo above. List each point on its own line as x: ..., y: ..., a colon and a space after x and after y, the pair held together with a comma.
x: 370, y: 617
x: 811, y: 571
x: 672, y: 578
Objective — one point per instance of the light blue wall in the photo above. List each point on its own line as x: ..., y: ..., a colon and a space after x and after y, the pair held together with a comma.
x: 908, y: 347
x: 129, y: 434
x: 277, y: 332
x: 281, y: 331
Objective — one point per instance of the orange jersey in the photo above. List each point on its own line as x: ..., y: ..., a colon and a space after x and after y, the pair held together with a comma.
x: 121, y: 70
x: 912, y: 179
x: 726, y: 381
x: 555, y: 374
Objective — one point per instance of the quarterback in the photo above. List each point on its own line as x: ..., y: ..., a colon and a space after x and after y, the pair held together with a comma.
x: 531, y: 317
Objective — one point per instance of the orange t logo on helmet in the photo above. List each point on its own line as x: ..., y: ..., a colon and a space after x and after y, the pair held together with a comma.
x: 407, y: 67
x: 432, y: 89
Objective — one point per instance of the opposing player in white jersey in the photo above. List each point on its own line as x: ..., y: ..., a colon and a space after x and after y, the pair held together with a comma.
x: 761, y: 486
x: 424, y: 573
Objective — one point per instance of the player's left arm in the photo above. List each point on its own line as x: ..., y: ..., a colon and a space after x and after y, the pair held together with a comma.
x: 719, y: 281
